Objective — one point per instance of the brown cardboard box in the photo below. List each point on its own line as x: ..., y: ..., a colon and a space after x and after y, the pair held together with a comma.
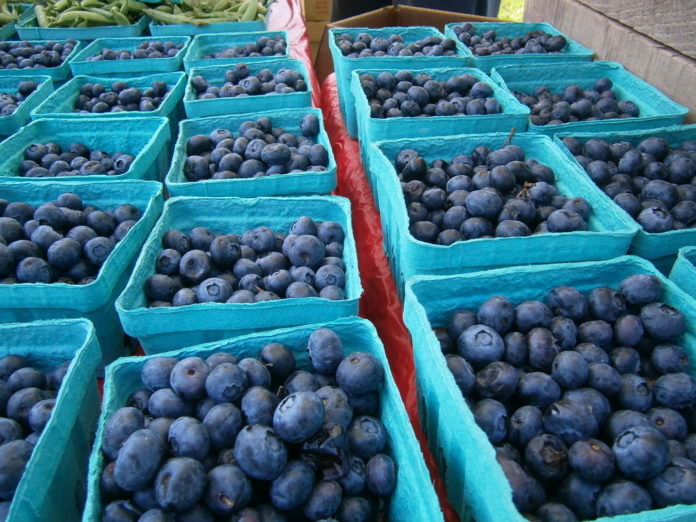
x: 390, y: 16
x: 317, y: 10
x: 671, y: 71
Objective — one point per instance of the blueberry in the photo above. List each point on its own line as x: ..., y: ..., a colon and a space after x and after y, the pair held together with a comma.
x: 260, y: 452
x: 675, y: 390
x: 498, y: 313
x: 258, y: 405
x: 180, y: 483
x: 228, y: 490
x: 34, y: 270
x: 138, y: 460
x: 194, y: 266
x: 120, y: 425
x: 223, y: 421
x: 491, y: 416
x: 662, y: 321
x: 497, y: 380
x: 538, y: 389
x: 622, y: 497
x: 256, y: 372
x: 531, y: 314
x: 325, y: 350
x: 11, y: 430
x: 527, y: 492
x: 298, y: 416
x: 580, y: 495
x: 604, y: 378
x: 570, y: 420
x: 188, y: 438
x: 64, y: 253
x: 669, y: 358
x: 567, y: 302
x: 462, y: 372
x: 14, y: 457
x: 592, y: 460
x: 570, y: 370
x: 641, y: 452
x: 159, y: 287
x: 97, y: 250
x: 381, y: 475
x: 323, y: 501
x: 188, y: 377
x: 635, y: 393
x: 556, y: 512
x: 546, y: 456
x: 293, y: 486
x: 675, y: 485
x: 480, y: 345
x: 360, y: 373
x: 278, y: 359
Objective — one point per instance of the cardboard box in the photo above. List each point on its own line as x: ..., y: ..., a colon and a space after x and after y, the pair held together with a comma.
x: 390, y: 16
x: 671, y: 71
x: 317, y: 10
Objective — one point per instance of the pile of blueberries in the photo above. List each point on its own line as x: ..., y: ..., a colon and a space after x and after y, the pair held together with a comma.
x: 259, y: 265
x: 119, y: 97
x: 239, y: 81
x: 63, y: 241
x: 10, y: 102
x: 488, y: 193
x: 148, y: 49
x: 28, y: 398
x: 264, y: 46
x: 251, y: 439
x: 366, y: 45
x: 652, y: 181
x: 488, y: 43
x: 418, y: 94
x: 258, y: 150
x: 49, y: 159
x: 25, y: 55
x: 586, y: 398
x: 577, y: 104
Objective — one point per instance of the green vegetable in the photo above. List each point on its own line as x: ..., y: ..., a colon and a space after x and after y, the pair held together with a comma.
x: 88, y: 13
x: 203, y: 12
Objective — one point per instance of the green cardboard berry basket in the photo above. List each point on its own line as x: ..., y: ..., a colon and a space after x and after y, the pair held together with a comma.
x: 157, y: 29
x: 414, y: 497
x: 660, y: 248
x: 476, y: 485
x: 62, y: 102
x: 610, y: 232
x: 54, y: 480
x: 215, y: 75
x: 371, y: 129
x: 57, y: 74
x: 95, y: 301
x: 28, y: 29
x: 656, y: 109
x: 147, y: 139
x: 573, y: 51
x: 166, y: 328
x: 80, y: 64
x: 344, y: 66
x: 684, y: 270
x: 289, y: 184
x: 8, y: 30
x: 8, y: 84
x: 205, y: 44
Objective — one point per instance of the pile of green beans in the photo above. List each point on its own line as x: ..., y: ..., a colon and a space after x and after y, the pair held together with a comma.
x: 203, y: 12
x: 88, y: 13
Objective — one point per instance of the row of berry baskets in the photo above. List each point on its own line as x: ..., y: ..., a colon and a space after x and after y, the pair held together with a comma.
x: 190, y: 210
x: 533, y: 202
x: 248, y: 241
